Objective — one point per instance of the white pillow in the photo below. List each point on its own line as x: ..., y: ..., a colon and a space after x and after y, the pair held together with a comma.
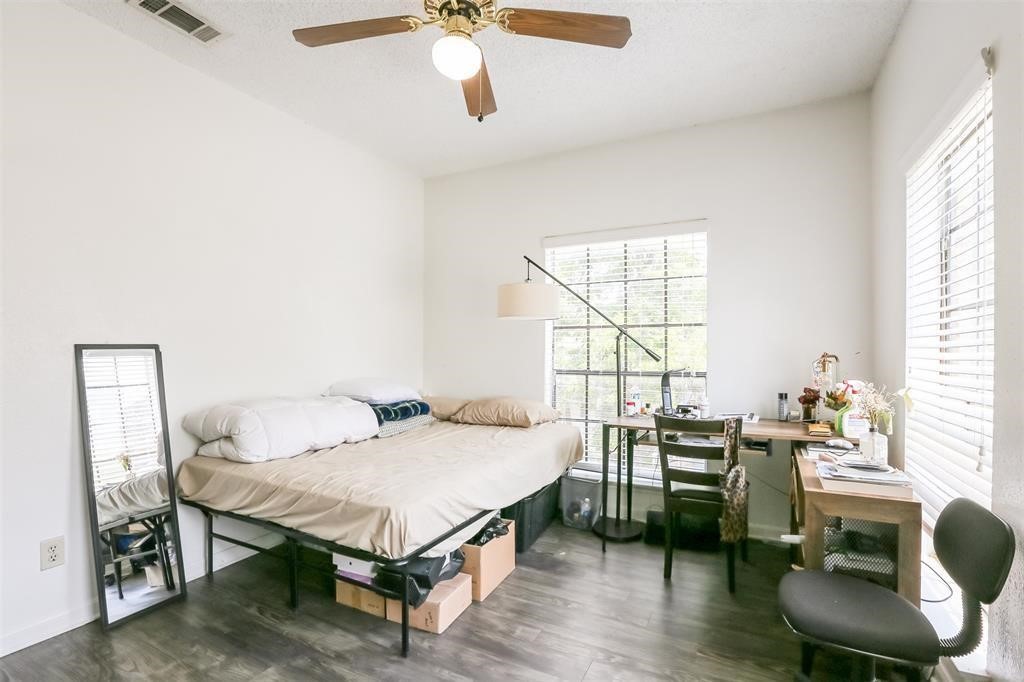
x: 277, y: 428
x: 372, y: 390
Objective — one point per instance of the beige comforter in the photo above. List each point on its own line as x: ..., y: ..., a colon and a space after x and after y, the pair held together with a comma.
x: 132, y: 497
x: 390, y: 496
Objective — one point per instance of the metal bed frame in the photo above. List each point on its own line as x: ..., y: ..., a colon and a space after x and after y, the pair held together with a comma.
x: 294, y: 539
x: 154, y: 521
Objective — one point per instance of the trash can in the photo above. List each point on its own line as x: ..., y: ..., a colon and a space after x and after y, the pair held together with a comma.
x: 580, y: 502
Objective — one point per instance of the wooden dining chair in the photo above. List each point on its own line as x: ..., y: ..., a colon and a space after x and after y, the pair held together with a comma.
x: 701, y: 475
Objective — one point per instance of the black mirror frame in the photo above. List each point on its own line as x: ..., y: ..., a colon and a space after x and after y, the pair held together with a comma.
x: 97, y: 550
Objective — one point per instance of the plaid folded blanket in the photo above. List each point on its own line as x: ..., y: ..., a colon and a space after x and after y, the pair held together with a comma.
x: 394, y: 412
x: 397, y: 428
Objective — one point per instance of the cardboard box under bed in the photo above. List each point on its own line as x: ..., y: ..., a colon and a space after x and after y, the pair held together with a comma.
x: 485, y: 568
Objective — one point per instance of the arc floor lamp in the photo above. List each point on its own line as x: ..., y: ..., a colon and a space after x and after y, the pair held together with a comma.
x: 531, y: 300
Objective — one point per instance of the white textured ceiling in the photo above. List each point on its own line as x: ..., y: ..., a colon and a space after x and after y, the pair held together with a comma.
x: 688, y: 62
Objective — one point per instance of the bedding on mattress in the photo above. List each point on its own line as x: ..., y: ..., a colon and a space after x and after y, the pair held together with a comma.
x: 397, y: 428
x: 278, y: 428
x: 132, y: 497
x: 391, y: 496
x: 395, y: 412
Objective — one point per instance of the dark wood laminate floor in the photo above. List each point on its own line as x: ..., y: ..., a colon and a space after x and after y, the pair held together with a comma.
x: 567, y: 613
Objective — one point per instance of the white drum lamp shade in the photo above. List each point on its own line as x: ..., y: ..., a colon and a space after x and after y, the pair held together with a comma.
x: 528, y: 301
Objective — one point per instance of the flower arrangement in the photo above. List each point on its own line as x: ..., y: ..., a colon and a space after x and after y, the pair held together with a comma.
x: 810, y: 397
x: 809, y: 402
x: 125, y: 460
x: 878, y: 405
x: 837, y: 399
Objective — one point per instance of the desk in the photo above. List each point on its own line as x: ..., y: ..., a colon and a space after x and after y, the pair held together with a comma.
x: 812, y: 504
x: 622, y: 530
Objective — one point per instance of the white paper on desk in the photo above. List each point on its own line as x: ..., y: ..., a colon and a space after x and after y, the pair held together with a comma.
x: 835, y: 453
x: 863, y: 464
x: 840, y: 473
x: 748, y: 417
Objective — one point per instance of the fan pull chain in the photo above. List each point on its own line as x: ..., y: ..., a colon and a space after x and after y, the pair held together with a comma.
x: 480, y: 94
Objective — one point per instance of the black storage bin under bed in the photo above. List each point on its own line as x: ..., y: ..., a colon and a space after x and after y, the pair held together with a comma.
x: 533, y: 514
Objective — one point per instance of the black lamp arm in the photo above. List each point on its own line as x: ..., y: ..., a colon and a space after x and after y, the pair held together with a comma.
x: 654, y: 356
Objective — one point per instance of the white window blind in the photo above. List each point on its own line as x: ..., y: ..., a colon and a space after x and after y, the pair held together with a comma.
x: 951, y: 311
x: 656, y: 288
x: 124, y: 413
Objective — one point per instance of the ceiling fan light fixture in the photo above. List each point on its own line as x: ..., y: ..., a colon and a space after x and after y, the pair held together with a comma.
x: 456, y: 56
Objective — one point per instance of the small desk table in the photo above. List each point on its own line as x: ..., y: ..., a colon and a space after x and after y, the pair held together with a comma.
x: 621, y: 530
x: 812, y: 504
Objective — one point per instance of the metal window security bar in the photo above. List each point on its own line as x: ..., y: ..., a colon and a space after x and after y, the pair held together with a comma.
x: 950, y: 329
x: 657, y: 286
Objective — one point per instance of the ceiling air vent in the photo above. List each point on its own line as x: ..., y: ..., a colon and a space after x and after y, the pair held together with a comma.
x: 179, y: 18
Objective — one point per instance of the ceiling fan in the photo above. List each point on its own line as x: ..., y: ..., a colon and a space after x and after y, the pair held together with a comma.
x: 456, y: 55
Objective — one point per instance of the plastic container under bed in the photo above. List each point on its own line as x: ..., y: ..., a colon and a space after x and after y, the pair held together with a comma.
x: 533, y: 515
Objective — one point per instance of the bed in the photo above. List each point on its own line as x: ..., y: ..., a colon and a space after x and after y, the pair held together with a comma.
x: 138, y: 503
x: 421, y: 493
x: 132, y: 497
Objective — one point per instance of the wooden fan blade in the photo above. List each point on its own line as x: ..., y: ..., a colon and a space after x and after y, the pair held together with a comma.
x: 577, y: 27
x: 316, y: 36
x: 478, y: 94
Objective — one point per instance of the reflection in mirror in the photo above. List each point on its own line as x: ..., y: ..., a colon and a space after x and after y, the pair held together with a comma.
x: 129, y: 478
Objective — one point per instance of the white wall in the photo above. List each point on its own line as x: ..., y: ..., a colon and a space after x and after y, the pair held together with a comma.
x: 787, y: 200
x: 145, y: 202
x: 935, y: 48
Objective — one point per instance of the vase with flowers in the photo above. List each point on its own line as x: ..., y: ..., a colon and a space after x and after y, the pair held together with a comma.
x: 809, y: 402
x: 878, y: 406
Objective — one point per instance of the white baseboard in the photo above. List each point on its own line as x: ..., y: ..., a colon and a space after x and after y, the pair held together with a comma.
x: 51, y: 627
x: 225, y: 554
x: 771, y: 534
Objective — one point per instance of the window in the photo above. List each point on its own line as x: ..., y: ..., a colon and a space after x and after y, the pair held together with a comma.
x: 951, y: 312
x: 124, y: 414
x: 656, y: 288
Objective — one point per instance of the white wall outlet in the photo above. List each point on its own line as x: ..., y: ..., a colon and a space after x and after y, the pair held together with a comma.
x: 51, y: 553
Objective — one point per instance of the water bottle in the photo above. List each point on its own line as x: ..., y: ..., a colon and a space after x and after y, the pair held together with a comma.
x: 783, y: 407
x: 585, y: 512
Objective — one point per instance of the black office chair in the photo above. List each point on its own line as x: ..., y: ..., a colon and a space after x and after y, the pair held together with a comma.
x: 720, y: 494
x: 855, y: 616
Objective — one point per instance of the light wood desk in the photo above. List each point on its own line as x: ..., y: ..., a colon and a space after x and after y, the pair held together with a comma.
x: 764, y: 429
x: 627, y: 431
x: 812, y: 504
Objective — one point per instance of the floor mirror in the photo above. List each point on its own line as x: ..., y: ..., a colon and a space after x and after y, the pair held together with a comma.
x: 129, y: 479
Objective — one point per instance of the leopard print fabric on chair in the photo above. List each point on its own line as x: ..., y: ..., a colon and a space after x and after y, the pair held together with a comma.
x: 735, y: 487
